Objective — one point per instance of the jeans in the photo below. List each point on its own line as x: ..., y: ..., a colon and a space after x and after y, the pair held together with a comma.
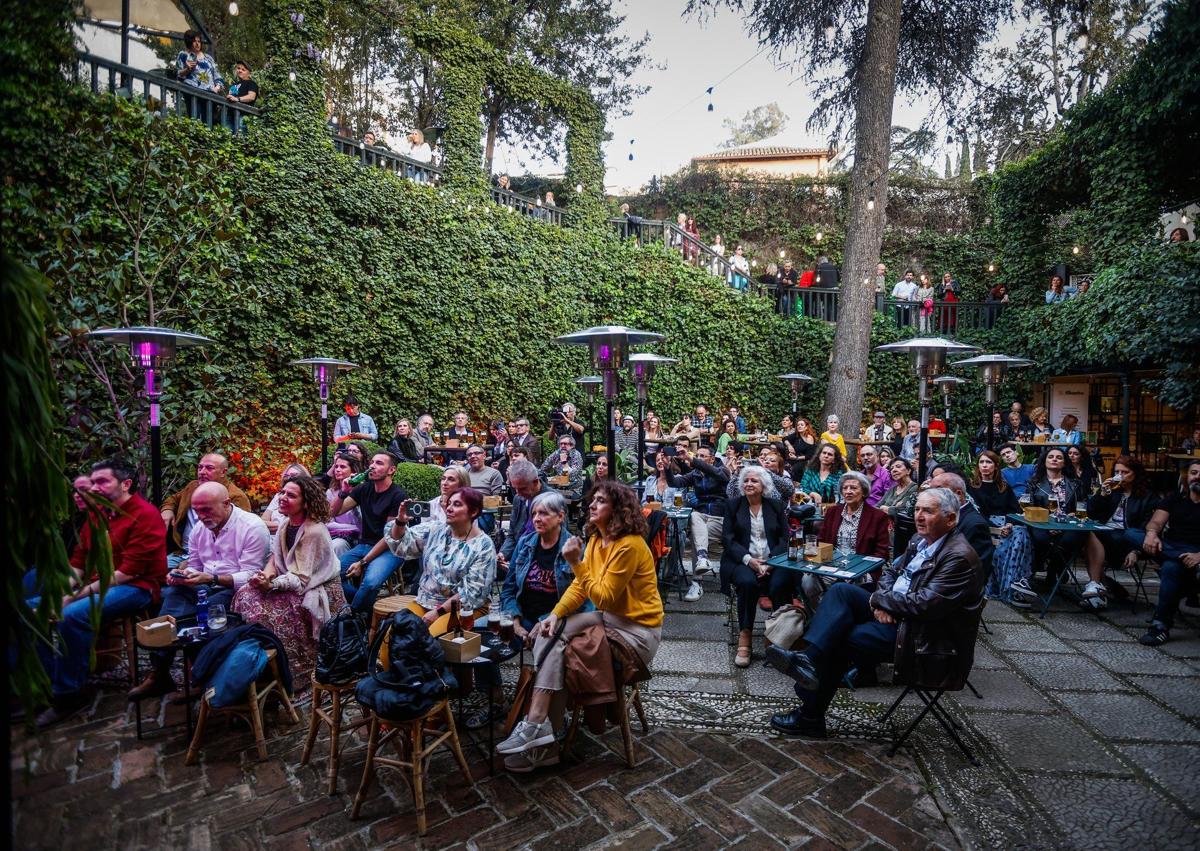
x: 779, y: 585
x: 68, y: 669
x: 374, y: 575
x: 844, y: 633
x: 179, y: 601
x: 1175, y: 581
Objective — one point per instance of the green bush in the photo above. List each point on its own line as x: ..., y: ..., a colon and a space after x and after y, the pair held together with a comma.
x: 421, y: 481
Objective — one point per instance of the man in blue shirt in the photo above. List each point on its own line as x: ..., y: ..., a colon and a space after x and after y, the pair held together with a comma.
x: 1014, y: 472
x: 354, y: 423
x: 935, y: 590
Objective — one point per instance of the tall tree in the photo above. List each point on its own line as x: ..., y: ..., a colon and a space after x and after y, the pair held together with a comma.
x: 964, y: 160
x: 865, y: 52
x: 909, y: 150
x: 760, y: 123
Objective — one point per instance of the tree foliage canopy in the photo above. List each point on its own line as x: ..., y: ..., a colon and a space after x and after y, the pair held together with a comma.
x: 757, y: 124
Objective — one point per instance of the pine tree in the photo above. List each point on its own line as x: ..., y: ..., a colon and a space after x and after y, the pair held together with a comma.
x: 964, y: 161
x: 949, y: 168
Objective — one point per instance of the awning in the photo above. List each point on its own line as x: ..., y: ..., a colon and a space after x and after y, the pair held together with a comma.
x: 163, y: 16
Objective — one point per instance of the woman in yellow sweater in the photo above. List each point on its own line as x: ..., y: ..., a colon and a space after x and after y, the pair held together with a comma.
x: 617, y: 574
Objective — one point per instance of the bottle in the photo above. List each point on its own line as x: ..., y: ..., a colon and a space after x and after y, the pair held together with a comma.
x: 795, y: 545
x: 358, y: 478
x: 202, y: 609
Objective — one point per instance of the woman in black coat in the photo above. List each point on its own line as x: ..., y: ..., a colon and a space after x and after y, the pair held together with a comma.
x: 755, y: 529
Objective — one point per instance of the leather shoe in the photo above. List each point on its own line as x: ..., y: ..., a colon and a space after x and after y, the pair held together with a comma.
x: 795, y: 665
x: 152, y: 686
x: 795, y: 724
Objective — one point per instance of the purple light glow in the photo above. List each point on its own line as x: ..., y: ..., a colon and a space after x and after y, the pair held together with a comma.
x: 145, y: 353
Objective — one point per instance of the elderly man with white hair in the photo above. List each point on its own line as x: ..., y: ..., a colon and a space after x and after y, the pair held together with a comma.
x: 923, y: 617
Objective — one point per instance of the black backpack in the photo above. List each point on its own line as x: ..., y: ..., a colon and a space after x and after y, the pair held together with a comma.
x: 416, y: 677
x: 341, y: 649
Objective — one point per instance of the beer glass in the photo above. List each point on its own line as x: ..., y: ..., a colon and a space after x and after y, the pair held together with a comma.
x: 506, y: 629
x: 678, y: 500
x: 1081, y: 510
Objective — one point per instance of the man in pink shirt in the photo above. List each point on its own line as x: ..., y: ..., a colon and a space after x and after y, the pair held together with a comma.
x: 881, y: 479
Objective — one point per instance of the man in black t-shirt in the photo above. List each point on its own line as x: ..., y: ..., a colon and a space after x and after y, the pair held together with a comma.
x: 1177, y: 549
x: 378, y: 499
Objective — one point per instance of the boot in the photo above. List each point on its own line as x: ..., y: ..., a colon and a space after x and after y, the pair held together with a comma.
x: 742, y: 659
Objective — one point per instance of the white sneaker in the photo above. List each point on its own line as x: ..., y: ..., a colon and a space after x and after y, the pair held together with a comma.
x: 694, y: 593
x: 527, y: 736
x: 1095, y: 597
x: 523, y: 763
x: 1022, y: 590
x: 702, y: 566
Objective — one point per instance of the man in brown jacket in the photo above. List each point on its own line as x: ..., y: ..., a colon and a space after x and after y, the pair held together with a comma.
x: 176, y: 509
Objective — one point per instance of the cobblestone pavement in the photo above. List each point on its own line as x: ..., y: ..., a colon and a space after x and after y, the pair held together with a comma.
x: 1086, y: 739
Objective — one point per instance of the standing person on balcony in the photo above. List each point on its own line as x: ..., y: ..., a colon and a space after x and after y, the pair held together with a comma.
x: 948, y: 291
x: 787, y: 280
x: 880, y: 277
x: 741, y: 269
x: 693, y: 246
x: 245, y: 90
x: 905, y: 291
x: 679, y: 238
x: 828, y: 276
x: 419, y: 150
x: 925, y: 298
x: 194, y: 67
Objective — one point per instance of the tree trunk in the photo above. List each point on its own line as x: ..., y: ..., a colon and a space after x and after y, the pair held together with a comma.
x: 493, y: 130
x: 864, y: 232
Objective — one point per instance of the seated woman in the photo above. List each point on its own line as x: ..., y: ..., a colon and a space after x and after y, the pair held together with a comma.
x: 656, y: 438
x: 1066, y: 432
x: 832, y: 434
x: 822, y: 474
x: 755, y: 529
x: 458, y: 561
x: 657, y: 487
x: 898, y: 503
x: 1040, y: 418
x: 1124, y: 505
x: 565, y: 461
x: 1012, y: 561
x: 1051, y: 479
x: 270, y: 514
x: 728, y: 436
x: 1013, y: 429
x: 1087, y: 477
x: 300, y: 587
x: 616, y: 574
x: 851, y: 525
x: 803, y: 442
x: 768, y: 461
x: 454, y: 479
x: 346, y: 528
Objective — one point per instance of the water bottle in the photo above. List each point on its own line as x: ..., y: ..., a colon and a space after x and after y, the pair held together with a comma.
x: 202, y: 609
x: 358, y: 478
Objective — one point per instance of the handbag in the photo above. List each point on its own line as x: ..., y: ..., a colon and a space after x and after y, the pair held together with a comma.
x: 785, y: 626
x: 524, y: 690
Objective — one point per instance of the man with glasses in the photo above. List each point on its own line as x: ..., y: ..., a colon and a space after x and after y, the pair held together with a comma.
x: 878, y: 430
x: 522, y: 438
x: 487, y: 480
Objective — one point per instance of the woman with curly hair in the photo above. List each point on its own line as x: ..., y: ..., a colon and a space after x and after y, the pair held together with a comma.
x: 823, y: 474
x: 300, y: 586
x: 616, y: 573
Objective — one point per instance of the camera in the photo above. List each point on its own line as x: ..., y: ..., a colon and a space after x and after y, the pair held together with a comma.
x: 670, y: 451
x: 556, y: 415
x: 416, y: 510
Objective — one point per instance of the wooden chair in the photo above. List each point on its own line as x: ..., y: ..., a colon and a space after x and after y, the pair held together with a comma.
x: 269, y: 685
x: 623, y: 704
x: 331, y: 717
x: 414, y: 751
x: 118, y: 641
x: 384, y: 608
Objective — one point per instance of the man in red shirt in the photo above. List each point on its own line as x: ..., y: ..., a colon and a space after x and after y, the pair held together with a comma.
x: 139, y: 552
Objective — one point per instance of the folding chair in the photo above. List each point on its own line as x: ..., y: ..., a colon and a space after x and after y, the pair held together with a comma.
x: 931, y: 700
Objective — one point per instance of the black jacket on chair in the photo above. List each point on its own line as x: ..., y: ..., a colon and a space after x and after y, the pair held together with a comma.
x: 735, y: 534
x: 938, y: 616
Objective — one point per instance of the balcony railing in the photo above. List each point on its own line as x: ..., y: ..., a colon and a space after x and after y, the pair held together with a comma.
x: 531, y: 207
x: 692, y: 250
x: 376, y: 157
x: 159, y: 92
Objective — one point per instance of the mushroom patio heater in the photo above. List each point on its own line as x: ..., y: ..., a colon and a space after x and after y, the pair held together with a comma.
x: 609, y: 346
x: 929, y: 361
x: 797, y: 380
x: 992, y: 370
x: 949, y: 384
x: 641, y: 372
x: 325, y: 372
x: 151, y: 350
x: 589, y: 384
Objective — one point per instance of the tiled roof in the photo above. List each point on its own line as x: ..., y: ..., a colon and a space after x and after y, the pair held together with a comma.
x: 769, y: 152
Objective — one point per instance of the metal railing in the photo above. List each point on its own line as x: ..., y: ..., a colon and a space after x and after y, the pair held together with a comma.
x: 159, y: 92
x: 692, y: 250
x: 388, y: 160
x: 945, y: 317
x: 531, y: 207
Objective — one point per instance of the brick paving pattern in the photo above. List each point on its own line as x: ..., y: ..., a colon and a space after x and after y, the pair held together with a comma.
x: 1087, y: 739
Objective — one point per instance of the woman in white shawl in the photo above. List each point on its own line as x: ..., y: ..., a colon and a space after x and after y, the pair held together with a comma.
x: 299, y: 588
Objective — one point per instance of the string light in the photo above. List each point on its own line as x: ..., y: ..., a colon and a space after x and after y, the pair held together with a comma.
x: 233, y: 9
x: 782, y: 254
x: 1183, y: 220
x: 866, y: 281
x: 579, y: 187
x: 292, y: 76
x: 830, y: 30
x: 991, y: 267
x: 820, y: 236
x: 871, y: 203
x: 1076, y: 249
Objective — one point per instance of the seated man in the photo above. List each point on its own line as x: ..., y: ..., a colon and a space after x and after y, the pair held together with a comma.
x: 708, y: 478
x: 935, y: 591
x: 139, y: 559
x: 523, y: 477
x: 487, y: 480
x: 176, y: 509
x: 226, y: 547
x: 378, y: 498
x: 522, y: 438
x: 1015, y: 473
x: 1173, y: 539
x: 880, y: 479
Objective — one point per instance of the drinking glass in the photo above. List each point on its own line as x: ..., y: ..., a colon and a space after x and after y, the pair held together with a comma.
x: 844, y: 557
x: 1052, y: 504
x: 1081, y: 510
x: 217, y: 617
x: 810, y: 546
x: 507, y: 634
x: 679, y: 500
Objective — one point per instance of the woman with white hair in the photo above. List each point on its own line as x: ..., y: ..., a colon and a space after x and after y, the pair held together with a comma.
x: 832, y: 436
x: 453, y: 480
x: 755, y: 529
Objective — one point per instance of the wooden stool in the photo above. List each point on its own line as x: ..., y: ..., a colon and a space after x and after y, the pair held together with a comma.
x: 256, y: 698
x: 117, y: 641
x: 384, y: 608
x: 414, y: 752
x: 333, y: 718
x: 623, y: 704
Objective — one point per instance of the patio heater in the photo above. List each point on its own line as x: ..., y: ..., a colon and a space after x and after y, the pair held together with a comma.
x: 992, y: 369
x: 325, y: 372
x: 641, y: 371
x: 589, y: 384
x: 609, y: 346
x: 797, y: 380
x: 929, y: 361
x: 151, y: 350
x: 949, y: 385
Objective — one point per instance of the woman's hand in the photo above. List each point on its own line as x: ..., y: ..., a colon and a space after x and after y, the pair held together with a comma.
x: 521, y: 633
x: 572, y: 551
x: 546, y: 626
x: 261, y: 581
x: 759, y: 566
x: 430, y: 617
x: 1006, y: 530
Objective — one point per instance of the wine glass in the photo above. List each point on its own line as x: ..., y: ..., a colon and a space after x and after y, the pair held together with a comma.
x: 217, y: 617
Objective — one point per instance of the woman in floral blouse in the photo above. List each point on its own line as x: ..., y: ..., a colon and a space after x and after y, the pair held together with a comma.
x: 458, y: 561
x: 196, y: 68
